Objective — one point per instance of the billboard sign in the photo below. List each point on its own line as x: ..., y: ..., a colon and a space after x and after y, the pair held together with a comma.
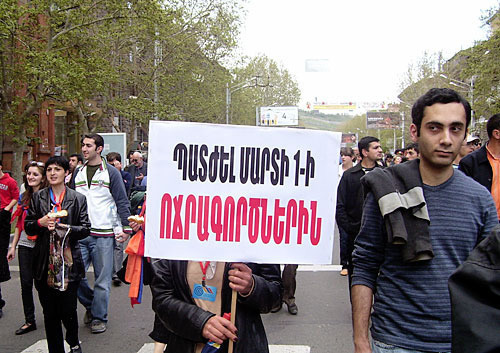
x: 278, y: 116
x: 348, y: 140
x: 383, y: 120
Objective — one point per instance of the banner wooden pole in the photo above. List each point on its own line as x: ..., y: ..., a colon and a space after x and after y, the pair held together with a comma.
x: 234, y: 298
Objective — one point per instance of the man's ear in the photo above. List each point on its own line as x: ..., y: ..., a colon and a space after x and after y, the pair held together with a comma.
x: 99, y: 149
x: 414, y: 132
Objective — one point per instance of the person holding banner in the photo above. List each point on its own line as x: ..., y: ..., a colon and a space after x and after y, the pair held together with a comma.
x: 191, y: 298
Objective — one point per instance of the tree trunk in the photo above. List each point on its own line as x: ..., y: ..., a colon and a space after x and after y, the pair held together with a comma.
x: 82, y: 121
x: 17, y: 161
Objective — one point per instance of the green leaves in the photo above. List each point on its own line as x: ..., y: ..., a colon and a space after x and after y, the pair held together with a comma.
x: 275, y: 86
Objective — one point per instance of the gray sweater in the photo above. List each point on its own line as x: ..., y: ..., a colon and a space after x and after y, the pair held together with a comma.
x: 412, y: 305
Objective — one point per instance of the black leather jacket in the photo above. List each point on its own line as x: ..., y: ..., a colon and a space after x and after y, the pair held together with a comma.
x: 76, y: 205
x: 475, y: 294
x: 173, y: 303
x: 477, y: 166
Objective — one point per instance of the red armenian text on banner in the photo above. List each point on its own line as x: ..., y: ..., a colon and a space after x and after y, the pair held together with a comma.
x: 230, y: 193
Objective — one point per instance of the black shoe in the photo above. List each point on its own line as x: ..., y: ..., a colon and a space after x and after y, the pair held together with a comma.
x: 25, y: 328
x: 1, y: 313
x: 292, y: 309
x: 277, y: 308
x: 76, y: 349
x: 116, y: 282
x: 87, y: 318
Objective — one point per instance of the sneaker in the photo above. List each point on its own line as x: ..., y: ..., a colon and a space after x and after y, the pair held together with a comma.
x: 98, y: 326
x: 116, y: 282
x: 76, y: 349
x: 293, y: 309
x: 344, y: 272
x: 87, y: 318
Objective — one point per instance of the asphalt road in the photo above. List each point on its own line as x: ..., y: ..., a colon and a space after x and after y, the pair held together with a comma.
x: 323, y: 323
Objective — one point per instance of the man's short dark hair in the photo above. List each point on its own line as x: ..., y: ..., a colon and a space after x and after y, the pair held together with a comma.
x: 493, y: 124
x: 98, y: 140
x: 78, y: 156
x: 113, y: 156
x: 437, y: 95
x: 364, y: 144
x: 412, y: 146
x: 61, y: 161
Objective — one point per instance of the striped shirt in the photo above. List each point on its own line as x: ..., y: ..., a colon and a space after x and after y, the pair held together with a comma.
x: 411, y: 302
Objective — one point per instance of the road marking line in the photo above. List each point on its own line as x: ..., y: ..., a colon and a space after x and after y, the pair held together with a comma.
x: 149, y: 348
x: 288, y: 349
x: 41, y: 347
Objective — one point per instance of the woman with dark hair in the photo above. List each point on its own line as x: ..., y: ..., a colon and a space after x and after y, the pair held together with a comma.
x: 58, y: 216
x: 35, y: 180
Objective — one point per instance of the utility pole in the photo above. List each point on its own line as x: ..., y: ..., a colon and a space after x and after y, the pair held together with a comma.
x: 467, y: 87
x: 253, y: 82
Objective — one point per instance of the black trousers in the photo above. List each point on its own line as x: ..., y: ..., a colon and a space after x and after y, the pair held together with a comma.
x: 344, y: 247
x: 25, y: 256
x: 289, y: 283
x: 4, y: 247
x: 59, y: 307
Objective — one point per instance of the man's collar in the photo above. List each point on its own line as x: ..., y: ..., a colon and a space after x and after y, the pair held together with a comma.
x: 101, y: 167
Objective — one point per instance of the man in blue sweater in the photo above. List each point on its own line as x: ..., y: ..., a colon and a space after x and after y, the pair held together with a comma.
x: 411, y: 305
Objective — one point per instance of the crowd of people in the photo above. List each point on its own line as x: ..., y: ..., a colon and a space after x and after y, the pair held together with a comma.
x: 399, y: 245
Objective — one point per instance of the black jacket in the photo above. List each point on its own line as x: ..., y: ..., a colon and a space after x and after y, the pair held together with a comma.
x: 475, y: 299
x: 350, y: 199
x: 477, y: 166
x: 173, y: 303
x: 398, y: 190
x: 76, y: 205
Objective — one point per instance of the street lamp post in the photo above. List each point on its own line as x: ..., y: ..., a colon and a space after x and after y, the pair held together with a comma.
x: 403, y: 122
x: 253, y: 82
x: 469, y: 87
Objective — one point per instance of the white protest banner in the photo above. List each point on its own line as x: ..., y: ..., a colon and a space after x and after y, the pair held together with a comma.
x: 239, y: 193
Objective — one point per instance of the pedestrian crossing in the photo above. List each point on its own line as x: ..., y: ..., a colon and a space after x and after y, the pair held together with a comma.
x: 41, y: 347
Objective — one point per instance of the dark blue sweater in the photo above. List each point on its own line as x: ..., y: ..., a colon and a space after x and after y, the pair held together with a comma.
x: 412, y: 306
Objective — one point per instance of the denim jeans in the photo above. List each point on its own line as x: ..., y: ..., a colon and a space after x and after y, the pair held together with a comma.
x: 117, y: 258
x: 99, y: 252
x: 380, y: 347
